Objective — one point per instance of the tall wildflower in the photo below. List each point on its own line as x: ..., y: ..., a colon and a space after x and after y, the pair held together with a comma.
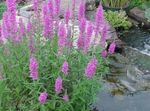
x: 42, y: 98
x: 87, y: 40
x: 58, y: 85
x: 5, y: 25
x: 104, y: 53
x: 51, y: 8
x: 11, y: 11
x: 61, y: 37
x: 81, y: 13
x: 82, y: 27
x: 90, y: 69
x: 66, y: 97
x: 31, y: 40
x: 22, y: 30
x: 56, y: 12
x: 112, y: 47
x: 104, y: 35
x: 67, y: 16
x: 99, y: 19
x: 35, y: 6
x: 33, y: 67
x: 64, y: 68
x: 57, y: 7
x: 45, y: 21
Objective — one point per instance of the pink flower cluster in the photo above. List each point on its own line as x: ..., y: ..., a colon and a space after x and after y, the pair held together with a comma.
x: 90, y: 69
x: 42, y: 98
x: 58, y: 85
x: 65, y: 68
x: 33, y: 67
x: 47, y: 20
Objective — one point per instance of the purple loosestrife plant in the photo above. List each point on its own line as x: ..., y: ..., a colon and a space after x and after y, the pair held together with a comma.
x: 81, y: 13
x: 42, y: 98
x: 104, y: 35
x: 58, y: 85
x: 33, y: 67
x: 99, y: 19
x: 31, y: 39
x: 66, y: 97
x: 112, y: 47
x: 65, y: 68
x: 5, y: 25
x: 21, y: 29
x: 62, y: 36
x: 47, y: 22
x: 104, y: 53
x: 87, y: 40
x: 57, y: 7
x: 67, y: 16
x: 35, y: 6
x: 81, y: 38
x: 90, y: 69
x: 51, y: 8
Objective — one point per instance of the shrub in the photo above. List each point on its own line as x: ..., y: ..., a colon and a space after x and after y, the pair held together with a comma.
x: 42, y: 72
x: 118, y: 19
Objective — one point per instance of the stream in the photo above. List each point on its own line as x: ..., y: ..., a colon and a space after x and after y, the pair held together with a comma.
x: 127, y: 86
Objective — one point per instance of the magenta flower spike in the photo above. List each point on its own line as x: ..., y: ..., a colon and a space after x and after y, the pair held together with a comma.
x: 89, y: 32
x: 81, y: 13
x: 112, y: 47
x: 42, y: 98
x: 82, y: 25
x: 65, y: 68
x: 104, y: 35
x: 90, y: 69
x: 35, y: 6
x: 33, y: 67
x: 58, y: 85
x: 80, y: 41
x: 99, y: 19
x: 51, y: 8
x: 104, y: 53
x: 67, y: 16
x: 62, y: 34
x: 66, y: 97
x: 57, y: 7
x: 22, y: 28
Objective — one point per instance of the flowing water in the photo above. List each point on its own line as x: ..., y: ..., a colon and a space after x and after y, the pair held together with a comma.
x: 127, y: 86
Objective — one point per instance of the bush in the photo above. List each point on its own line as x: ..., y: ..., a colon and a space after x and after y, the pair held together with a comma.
x: 118, y: 19
x: 43, y: 72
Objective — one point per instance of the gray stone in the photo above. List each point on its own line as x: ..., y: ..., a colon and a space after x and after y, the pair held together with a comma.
x: 26, y: 11
x: 90, y: 5
x: 138, y: 15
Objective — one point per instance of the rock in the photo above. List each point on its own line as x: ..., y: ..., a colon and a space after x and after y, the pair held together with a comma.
x: 90, y: 5
x: 138, y: 15
x: 26, y: 11
x: 128, y: 85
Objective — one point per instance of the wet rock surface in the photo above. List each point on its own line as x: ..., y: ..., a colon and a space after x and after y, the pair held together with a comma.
x: 127, y: 87
x: 138, y: 15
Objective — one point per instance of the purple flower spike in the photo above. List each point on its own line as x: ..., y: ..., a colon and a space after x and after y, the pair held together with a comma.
x: 90, y: 69
x: 81, y: 13
x: 65, y: 68
x: 58, y: 85
x: 112, y: 47
x: 42, y: 98
x: 33, y: 67
x: 104, y: 53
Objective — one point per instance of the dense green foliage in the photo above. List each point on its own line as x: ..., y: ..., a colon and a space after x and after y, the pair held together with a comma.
x: 19, y: 92
x: 118, y: 19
